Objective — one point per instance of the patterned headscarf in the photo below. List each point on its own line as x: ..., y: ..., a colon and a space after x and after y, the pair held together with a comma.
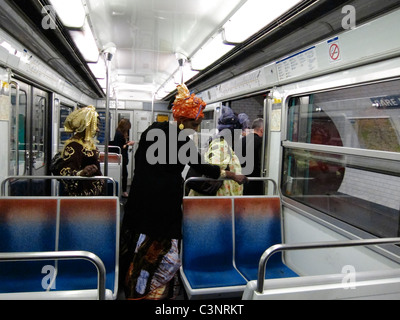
x: 81, y: 120
x: 186, y: 106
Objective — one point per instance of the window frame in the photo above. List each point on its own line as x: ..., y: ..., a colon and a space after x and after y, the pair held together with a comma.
x: 329, y: 220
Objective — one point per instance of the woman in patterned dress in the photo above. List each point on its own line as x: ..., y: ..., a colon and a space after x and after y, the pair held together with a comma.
x: 221, y: 153
x: 80, y: 156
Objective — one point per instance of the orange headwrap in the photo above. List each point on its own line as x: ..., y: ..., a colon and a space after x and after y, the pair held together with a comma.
x: 187, y: 106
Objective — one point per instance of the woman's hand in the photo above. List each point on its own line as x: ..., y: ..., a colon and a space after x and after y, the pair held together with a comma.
x: 239, y: 178
x: 88, y: 171
x: 128, y: 144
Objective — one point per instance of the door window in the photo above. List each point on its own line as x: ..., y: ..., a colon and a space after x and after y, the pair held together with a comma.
x: 38, y: 131
x: 18, y: 131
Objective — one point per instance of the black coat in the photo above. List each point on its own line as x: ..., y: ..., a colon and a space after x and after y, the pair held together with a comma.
x: 155, y: 199
x: 120, y: 141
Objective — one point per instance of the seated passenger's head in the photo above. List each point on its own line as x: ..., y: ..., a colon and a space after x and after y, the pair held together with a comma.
x: 83, y: 121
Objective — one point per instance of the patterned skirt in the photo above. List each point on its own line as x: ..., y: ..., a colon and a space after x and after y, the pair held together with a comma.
x: 152, y: 269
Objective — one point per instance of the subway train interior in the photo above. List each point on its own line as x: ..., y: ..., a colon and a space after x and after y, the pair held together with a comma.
x: 324, y: 76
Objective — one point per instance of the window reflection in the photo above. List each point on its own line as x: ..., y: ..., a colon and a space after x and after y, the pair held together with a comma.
x: 360, y: 190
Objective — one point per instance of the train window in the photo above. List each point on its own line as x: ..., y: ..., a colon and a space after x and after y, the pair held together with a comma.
x: 102, y: 127
x: 208, y: 122
x: 65, y: 111
x: 18, y: 132
x: 333, y: 159
x: 366, y: 118
x: 206, y: 131
x: 38, y: 131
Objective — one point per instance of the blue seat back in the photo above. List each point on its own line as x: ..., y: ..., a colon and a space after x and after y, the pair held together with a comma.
x: 26, y: 225
x: 224, y: 239
x: 59, y: 224
x: 207, y: 234
x: 257, y: 228
x: 89, y: 225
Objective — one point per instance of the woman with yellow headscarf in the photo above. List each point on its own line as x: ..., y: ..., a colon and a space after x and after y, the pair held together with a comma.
x: 80, y: 155
x: 151, y: 229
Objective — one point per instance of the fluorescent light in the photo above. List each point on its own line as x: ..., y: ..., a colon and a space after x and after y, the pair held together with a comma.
x: 188, y: 73
x: 210, y: 52
x: 253, y: 16
x: 86, y: 43
x: 98, y: 69
x: 71, y: 13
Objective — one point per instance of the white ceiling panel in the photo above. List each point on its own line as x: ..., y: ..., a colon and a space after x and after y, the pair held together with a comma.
x: 149, y: 33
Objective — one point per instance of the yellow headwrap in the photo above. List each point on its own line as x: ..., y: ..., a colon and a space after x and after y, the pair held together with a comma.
x: 81, y: 120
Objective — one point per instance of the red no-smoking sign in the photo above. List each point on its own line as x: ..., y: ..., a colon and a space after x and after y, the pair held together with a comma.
x: 334, y: 50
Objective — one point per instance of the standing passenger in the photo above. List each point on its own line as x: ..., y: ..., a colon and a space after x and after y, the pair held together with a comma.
x: 121, y: 139
x: 254, y: 142
x: 221, y: 153
x: 151, y: 229
x: 245, y: 122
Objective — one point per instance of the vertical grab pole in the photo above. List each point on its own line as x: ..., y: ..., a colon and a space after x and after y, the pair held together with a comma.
x: 107, y: 133
x: 109, y: 53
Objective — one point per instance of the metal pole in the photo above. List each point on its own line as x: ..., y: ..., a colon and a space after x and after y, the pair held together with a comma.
x: 107, y: 133
x: 152, y: 106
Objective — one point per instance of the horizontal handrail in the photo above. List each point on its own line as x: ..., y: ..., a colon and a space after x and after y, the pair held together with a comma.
x: 7, y: 180
x: 213, y: 180
x: 316, y: 245
x: 63, y: 255
x: 102, y: 156
x: 102, y: 148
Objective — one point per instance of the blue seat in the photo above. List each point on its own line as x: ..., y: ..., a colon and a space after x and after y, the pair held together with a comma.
x: 26, y: 225
x: 207, y: 246
x: 59, y: 224
x: 88, y: 224
x: 258, y: 227
x: 223, y: 241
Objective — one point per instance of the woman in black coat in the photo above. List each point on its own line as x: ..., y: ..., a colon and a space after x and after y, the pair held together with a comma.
x: 121, y: 139
x: 153, y: 216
